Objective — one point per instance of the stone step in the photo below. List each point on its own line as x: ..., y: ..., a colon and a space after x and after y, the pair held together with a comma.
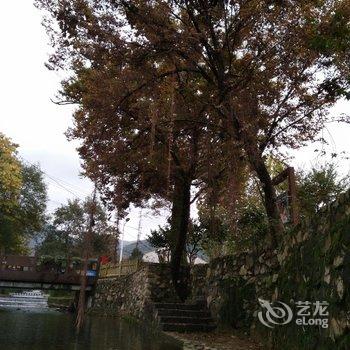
x: 187, y: 327
x: 187, y: 320
x: 184, y: 313
x: 178, y: 306
x: 179, y: 317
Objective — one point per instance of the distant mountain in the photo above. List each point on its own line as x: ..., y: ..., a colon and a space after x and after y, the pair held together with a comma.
x: 143, y: 246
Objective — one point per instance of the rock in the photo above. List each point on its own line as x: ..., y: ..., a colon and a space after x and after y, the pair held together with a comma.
x: 250, y: 262
x: 338, y: 261
x: 336, y: 328
x: 282, y: 257
x: 340, y: 287
x: 306, y: 235
x: 275, y: 294
x: 327, y: 276
x: 327, y: 244
x: 243, y: 271
x: 299, y: 237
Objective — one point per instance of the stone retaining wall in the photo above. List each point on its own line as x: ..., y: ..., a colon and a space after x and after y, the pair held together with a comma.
x: 312, y: 264
x: 230, y: 285
x: 134, y: 294
x: 315, y: 266
x: 123, y: 295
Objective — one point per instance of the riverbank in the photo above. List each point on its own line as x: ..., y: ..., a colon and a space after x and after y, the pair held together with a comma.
x: 62, y: 303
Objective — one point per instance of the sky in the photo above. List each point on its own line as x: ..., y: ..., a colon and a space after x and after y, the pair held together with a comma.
x: 30, y: 118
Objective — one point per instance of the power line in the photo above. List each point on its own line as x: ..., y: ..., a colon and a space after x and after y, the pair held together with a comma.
x: 74, y: 187
x: 56, y: 181
x: 134, y: 228
x: 63, y: 187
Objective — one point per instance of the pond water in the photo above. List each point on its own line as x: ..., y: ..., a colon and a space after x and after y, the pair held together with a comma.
x: 45, y: 329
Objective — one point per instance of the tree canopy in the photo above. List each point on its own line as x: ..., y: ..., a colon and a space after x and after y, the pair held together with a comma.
x: 23, y: 199
x: 64, y: 236
x: 10, y: 174
x: 173, y: 94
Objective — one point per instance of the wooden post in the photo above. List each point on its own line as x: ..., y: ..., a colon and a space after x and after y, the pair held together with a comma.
x: 289, y: 175
x: 293, y: 196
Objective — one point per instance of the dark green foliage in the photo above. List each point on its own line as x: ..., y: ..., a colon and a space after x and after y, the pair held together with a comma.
x: 319, y: 187
x: 252, y: 227
x: 33, y: 200
x: 159, y: 238
x: 64, y: 237
x: 315, y: 189
x: 333, y: 36
x: 27, y: 215
x: 53, y: 242
x: 136, y: 254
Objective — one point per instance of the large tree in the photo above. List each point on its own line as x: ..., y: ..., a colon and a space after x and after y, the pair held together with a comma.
x: 10, y: 173
x: 157, y: 141
x: 31, y: 213
x: 23, y: 199
x: 269, y: 69
x: 272, y: 68
x: 65, y: 235
x: 10, y: 187
x: 156, y: 147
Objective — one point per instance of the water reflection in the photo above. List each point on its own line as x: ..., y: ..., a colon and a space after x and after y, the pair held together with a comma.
x: 38, y: 329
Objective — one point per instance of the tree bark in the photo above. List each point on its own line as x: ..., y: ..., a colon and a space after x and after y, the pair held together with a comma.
x: 256, y: 161
x: 180, y: 217
x: 87, y: 246
x: 270, y: 201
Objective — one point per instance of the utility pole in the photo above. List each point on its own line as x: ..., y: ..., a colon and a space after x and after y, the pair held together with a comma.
x: 122, y: 247
x: 116, y: 239
x: 139, y: 230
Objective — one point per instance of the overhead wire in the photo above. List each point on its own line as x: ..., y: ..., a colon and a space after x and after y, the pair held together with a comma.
x: 58, y: 182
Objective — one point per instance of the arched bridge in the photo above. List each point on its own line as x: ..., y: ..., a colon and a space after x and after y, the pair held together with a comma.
x: 34, y: 273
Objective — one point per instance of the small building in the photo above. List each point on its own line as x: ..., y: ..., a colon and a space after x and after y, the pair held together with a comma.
x: 154, y: 258
x: 17, y: 263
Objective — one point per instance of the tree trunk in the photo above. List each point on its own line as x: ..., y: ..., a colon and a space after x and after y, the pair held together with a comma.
x: 82, y: 301
x: 180, y: 217
x: 255, y: 158
x: 87, y: 246
x: 257, y: 162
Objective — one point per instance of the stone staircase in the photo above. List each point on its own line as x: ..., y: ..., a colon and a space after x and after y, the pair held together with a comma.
x: 178, y: 317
